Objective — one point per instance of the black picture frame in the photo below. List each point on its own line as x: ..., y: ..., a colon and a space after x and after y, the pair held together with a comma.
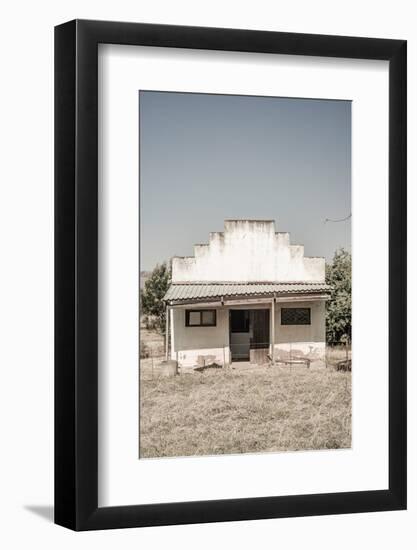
x: 76, y: 272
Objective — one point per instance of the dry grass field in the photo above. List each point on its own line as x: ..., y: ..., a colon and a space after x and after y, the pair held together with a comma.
x: 244, y: 410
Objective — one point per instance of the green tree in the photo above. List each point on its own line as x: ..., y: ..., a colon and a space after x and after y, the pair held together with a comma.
x: 151, y: 296
x: 339, y: 307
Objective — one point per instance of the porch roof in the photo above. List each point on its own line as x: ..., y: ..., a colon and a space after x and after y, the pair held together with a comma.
x: 188, y: 292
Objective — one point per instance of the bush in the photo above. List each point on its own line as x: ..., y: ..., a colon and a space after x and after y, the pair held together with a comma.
x: 150, y: 322
x: 144, y: 350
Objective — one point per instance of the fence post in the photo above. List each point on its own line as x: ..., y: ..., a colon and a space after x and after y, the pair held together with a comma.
x: 167, y: 333
x: 273, y: 331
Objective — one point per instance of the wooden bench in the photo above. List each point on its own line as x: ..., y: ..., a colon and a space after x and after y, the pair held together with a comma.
x: 296, y: 361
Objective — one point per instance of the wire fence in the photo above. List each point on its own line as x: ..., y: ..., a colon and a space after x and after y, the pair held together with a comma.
x: 336, y: 355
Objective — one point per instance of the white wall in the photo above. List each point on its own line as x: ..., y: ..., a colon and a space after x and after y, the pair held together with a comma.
x: 305, y: 339
x: 248, y: 250
x: 190, y: 342
x: 26, y: 226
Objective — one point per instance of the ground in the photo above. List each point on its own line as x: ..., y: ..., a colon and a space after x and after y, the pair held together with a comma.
x: 243, y: 409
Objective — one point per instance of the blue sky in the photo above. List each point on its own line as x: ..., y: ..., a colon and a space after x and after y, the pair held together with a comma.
x: 205, y: 158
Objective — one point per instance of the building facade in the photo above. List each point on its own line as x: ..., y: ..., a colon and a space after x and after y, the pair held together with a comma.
x: 248, y: 294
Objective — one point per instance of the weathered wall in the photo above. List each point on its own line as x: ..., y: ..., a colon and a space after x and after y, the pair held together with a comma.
x: 301, y: 339
x: 296, y: 340
x: 190, y: 342
x: 248, y: 250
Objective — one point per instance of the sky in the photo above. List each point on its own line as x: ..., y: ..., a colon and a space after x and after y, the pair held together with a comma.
x: 206, y: 158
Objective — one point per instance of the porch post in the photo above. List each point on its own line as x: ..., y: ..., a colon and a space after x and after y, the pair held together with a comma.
x: 273, y: 330
x: 166, y: 333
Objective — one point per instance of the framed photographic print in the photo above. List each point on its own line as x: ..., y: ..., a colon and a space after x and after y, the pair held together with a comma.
x: 230, y: 252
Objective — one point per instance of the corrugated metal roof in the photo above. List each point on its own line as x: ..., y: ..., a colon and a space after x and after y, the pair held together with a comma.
x: 198, y: 291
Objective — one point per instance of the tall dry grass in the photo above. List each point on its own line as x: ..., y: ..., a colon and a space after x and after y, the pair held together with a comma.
x: 231, y: 411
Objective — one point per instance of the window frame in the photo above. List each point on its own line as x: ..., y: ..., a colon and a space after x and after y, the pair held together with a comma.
x: 187, y: 317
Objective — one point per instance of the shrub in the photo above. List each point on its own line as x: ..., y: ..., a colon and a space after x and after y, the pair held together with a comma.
x: 144, y: 350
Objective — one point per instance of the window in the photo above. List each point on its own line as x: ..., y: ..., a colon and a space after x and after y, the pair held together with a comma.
x: 200, y: 318
x: 295, y: 316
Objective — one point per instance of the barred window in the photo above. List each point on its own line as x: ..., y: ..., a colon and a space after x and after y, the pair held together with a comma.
x: 295, y: 316
x: 200, y: 318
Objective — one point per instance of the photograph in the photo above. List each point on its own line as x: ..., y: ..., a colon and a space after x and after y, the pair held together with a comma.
x: 245, y: 274
x: 206, y: 221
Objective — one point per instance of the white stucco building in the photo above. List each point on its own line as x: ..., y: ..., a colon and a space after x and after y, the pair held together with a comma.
x: 249, y: 294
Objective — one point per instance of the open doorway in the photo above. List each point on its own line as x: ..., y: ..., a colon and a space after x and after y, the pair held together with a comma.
x: 249, y: 330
